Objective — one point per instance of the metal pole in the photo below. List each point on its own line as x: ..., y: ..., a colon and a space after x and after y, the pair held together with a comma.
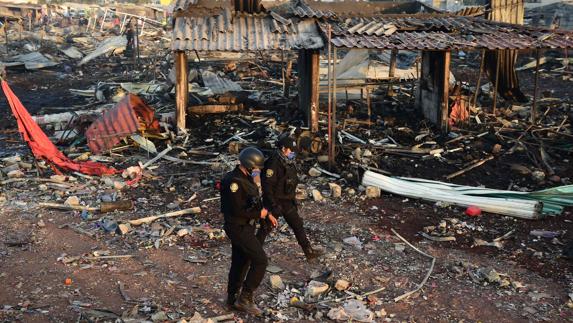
x: 283, y: 67
x: 6, y: 33
x: 496, y: 82
x: 123, y: 23
x: 333, y: 121
x: 142, y: 26
x: 103, y: 20
x: 479, y: 77
x: 137, y: 40
x: 534, y: 106
x: 566, y: 59
x: 329, y: 75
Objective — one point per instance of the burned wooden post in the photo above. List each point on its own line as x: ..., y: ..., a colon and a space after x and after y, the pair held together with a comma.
x: 392, y: 70
x: 182, y: 89
x: 479, y: 77
x: 308, y: 64
x: 496, y: 81
x: 445, y: 92
x: 534, y: 105
x: 434, y: 87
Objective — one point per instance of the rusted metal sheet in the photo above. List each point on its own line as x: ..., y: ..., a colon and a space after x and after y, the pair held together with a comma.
x: 129, y: 115
x: 444, y: 32
x: 242, y: 32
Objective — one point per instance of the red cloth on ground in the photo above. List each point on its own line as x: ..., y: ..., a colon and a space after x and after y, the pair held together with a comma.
x: 40, y: 144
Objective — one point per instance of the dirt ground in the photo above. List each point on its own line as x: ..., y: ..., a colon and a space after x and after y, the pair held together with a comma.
x: 183, y: 276
x: 162, y: 279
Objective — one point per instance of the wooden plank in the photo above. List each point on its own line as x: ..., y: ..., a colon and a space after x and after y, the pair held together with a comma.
x: 181, y: 89
x: 314, y: 88
x: 445, y: 92
x: 434, y: 87
x: 215, y: 108
x: 308, y: 68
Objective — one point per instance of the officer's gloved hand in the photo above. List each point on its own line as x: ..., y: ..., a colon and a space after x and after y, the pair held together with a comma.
x: 264, y: 213
x: 273, y: 220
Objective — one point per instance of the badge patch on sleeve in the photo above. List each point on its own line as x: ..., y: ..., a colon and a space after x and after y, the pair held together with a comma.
x: 270, y: 173
x: 234, y: 187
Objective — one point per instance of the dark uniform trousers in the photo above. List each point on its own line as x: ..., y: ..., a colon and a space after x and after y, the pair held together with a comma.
x: 279, y: 180
x: 289, y: 212
x: 241, y: 206
x: 247, y: 258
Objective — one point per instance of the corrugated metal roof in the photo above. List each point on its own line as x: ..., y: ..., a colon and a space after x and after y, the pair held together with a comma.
x: 303, y: 10
x: 182, y: 5
x: 471, y: 11
x: 441, y: 33
x: 241, y: 32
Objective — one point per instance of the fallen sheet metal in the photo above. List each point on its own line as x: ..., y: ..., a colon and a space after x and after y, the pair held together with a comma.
x: 111, y: 44
x: 144, y: 88
x: 72, y: 52
x: 31, y: 61
x: 218, y: 84
x: 127, y: 117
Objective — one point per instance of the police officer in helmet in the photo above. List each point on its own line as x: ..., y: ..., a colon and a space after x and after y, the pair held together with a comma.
x: 279, y: 180
x: 242, y: 208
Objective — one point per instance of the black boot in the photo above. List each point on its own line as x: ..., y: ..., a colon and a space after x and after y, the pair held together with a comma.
x: 231, y: 299
x: 312, y: 253
x: 245, y: 304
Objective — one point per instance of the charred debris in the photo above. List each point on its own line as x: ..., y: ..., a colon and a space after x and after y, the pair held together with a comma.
x: 125, y: 124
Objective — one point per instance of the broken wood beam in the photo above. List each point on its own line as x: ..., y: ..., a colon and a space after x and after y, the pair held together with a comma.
x: 467, y: 169
x: 104, y: 207
x: 215, y: 108
x: 149, y: 219
x: 69, y: 207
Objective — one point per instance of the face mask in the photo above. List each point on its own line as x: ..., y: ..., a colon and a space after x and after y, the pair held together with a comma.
x: 291, y: 155
x: 255, y: 172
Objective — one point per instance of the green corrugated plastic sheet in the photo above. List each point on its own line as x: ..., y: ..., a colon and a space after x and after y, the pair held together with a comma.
x: 554, y: 199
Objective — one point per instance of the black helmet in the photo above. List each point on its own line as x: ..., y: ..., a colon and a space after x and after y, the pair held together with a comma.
x: 251, y: 157
x: 286, y: 142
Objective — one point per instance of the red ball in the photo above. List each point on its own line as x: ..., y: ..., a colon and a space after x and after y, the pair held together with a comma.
x: 473, y: 211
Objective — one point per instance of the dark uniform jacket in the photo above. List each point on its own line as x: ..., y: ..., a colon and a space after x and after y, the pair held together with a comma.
x: 279, y: 180
x: 240, y: 199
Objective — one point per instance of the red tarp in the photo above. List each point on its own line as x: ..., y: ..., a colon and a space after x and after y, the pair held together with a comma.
x: 459, y: 112
x: 40, y: 144
x: 127, y: 117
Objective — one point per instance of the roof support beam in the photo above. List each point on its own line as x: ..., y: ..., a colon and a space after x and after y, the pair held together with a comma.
x: 181, y: 89
x: 308, y: 64
x: 434, y: 87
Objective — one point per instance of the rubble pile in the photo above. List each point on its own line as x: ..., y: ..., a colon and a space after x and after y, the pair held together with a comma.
x: 144, y: 241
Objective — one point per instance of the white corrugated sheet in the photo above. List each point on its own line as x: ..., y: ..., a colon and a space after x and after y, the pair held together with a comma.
x: 243, y: 32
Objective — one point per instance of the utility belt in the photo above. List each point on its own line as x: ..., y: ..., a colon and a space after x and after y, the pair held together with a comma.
x: 240, y: 221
